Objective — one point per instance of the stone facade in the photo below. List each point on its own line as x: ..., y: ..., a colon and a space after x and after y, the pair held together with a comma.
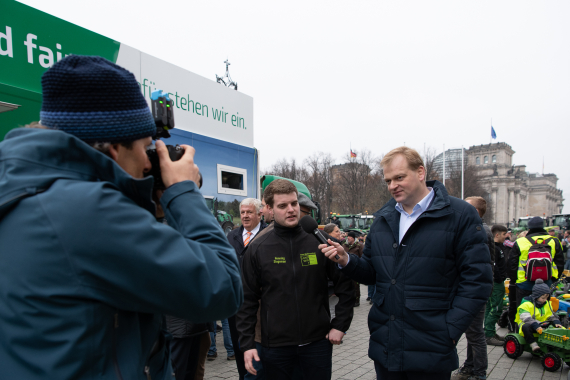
x: 514, y: 192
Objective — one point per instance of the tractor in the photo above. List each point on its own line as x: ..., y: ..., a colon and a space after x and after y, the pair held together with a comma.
x: 225, y: 220
x: 359, y: 223
x: 553, y: 342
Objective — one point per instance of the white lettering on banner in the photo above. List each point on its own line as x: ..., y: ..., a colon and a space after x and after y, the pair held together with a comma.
x: 202, y: 105
x: 45, y: 59
x: 9, y: 51
x: 30, y: 44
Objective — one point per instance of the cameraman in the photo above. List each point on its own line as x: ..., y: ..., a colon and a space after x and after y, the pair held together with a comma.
x: 86, y: 271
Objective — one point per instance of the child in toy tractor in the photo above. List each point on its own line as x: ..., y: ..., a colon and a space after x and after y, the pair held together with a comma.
x: 536, y: 313
x: 541, y: 330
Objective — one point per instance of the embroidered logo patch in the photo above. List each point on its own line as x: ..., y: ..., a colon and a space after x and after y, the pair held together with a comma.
x: 309, y: 259
x: 279, y: 260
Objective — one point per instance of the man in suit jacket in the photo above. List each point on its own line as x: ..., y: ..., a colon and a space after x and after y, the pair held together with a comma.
x: 239, y: 238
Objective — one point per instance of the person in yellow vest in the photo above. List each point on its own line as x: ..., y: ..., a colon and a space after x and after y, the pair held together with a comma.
x: 519, y: 256
x: 535, y: 313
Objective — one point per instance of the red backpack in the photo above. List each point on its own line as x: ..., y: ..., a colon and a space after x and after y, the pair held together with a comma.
x: 539, y: 261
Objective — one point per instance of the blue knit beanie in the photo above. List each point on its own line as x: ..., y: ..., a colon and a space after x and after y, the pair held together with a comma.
x: 95, y: 100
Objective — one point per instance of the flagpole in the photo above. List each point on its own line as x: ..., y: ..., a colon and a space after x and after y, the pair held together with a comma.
x: 443, y: 164
x: 462, y: 171
x: 491, y: 139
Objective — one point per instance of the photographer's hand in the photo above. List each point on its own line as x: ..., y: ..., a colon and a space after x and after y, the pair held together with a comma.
x: 178, y: 171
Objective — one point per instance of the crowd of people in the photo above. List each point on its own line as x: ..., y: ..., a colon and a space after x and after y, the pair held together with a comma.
x: 122, y: 287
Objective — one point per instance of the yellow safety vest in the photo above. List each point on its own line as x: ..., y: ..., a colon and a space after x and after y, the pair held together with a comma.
x: 524, y: 246
x: 540, y: 314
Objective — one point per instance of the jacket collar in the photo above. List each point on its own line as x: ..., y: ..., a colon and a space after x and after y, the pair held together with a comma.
x: 35, y: 158
x: 440, y: 206
x: 537, y: 232
x: 239, y: 235
x: 286, y: 232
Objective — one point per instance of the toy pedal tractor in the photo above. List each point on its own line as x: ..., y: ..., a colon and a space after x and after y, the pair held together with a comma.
x: 553, y: 342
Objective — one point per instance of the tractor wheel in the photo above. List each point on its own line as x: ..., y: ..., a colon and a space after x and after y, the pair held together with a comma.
x: 227, y: 227
x: 551, y: 362
x: 504, y: 319
x: 512, y: 347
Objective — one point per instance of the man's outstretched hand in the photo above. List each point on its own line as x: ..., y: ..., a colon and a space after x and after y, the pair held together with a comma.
x: 248, y: 357
x: 330, y: 251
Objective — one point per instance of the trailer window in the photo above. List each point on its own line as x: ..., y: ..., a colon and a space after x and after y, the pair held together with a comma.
x: 232, y: 180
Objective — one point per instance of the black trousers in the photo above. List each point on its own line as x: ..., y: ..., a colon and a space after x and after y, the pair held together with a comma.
x: 240, y: 363
x: 528, y: 331
x: 383, y: 374
x: 476, y: 345
x: 184, y: 354
x: 312, y: 361
x: 521, y: 293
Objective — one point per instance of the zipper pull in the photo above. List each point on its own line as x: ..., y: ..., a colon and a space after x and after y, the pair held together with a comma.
x: 147, y: 372
x: 116, y: 320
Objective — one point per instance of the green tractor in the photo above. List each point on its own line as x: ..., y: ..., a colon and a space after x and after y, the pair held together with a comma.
x: 301, y: 188
x: 522, y: 225
x: 558, y: 221
x: 562, y: 221
x: 554, y: 344
x: 225, y: 219
x: 359, y: 223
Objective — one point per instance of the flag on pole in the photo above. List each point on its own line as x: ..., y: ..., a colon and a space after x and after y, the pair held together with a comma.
x: 493, y: 134
x: 352, y: 154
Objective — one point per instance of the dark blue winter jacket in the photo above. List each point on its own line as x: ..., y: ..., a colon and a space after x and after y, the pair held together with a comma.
x: 86, y: 271
x: 428, y: 288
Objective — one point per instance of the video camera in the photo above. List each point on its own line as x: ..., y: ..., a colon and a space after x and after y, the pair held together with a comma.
x: 163, y: 113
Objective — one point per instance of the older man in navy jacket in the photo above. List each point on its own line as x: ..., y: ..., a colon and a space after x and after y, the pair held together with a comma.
x: 427, y: 254
x: 239, y: 238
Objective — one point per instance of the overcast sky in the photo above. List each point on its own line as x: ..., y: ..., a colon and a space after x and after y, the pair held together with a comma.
x: 374, y: 74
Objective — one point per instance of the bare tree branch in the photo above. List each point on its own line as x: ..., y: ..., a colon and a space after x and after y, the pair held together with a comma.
x: 319, y: 180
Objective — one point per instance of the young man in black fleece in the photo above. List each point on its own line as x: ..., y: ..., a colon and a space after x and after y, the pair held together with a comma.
x: 286, y: 271
x: 495, y: 303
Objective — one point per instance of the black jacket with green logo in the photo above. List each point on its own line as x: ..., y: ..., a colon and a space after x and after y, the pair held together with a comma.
x: 286, y: 271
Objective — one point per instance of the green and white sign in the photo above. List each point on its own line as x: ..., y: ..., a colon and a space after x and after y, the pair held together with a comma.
x: 31, y: 41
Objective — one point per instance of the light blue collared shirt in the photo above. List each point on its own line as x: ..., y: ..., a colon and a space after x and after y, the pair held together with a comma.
x: 406, y: 220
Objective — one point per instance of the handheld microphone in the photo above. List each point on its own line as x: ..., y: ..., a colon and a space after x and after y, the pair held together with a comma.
x: 310, y: 226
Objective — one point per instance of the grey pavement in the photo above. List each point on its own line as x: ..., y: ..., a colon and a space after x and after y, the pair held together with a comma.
x: 351, y: 361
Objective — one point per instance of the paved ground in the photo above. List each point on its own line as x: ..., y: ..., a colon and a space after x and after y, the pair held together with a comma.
x: 350, y: 360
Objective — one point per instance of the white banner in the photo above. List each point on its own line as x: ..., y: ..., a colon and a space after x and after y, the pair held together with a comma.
x: 202, y: 106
